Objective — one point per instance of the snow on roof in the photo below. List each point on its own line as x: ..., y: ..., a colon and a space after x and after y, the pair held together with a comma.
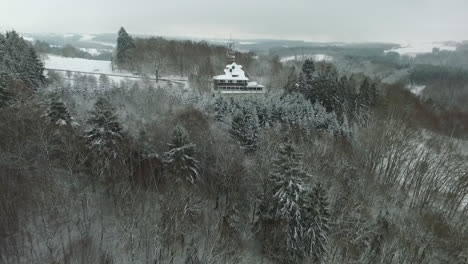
x: 255, y: 84
x: 232, y: 72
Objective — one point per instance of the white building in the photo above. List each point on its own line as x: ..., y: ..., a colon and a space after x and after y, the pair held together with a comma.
x: 234, y: 81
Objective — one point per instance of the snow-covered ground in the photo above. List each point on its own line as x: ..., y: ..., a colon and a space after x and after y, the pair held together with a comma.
x: 28, y: 39
x: 416, y: 89
x: 93, y: 52
x: 315, y: 57
x: 414, y: 49
x: 247, y: 43
x: 83, y: 66
x: 77, y: 64
x: 86, y: 37
x: 90, y: 39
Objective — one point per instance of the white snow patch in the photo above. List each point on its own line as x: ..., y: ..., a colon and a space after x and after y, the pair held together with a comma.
x: 232, y: 72
x: 219, y: 41
x: 28, y: 39
x: 413, y: 49
x: 315, y: 57
x: 68, y: 35
x: 86, y: 37
x: 416, y: 89
x: 84, y: 66
x: 247, y: 43
x: 90, y: 39
x: 77, y: 64
x: 93, y: 52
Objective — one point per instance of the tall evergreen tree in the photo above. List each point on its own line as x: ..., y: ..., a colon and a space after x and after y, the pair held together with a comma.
x: 308, y: 68
x: 244, y: 129
x: 364, y: 93
x: 292, y: 83
x: 294, y: 207
x: 19, y: 61
x: 180, y: 157
x: 125, y: 43
x: 220, y: 108
x: 58, y: 112
x: 104, y: 138
x: 5, y: 96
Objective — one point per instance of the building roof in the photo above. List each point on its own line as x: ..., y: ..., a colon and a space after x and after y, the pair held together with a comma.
x: 232, y: 71
x: 255, y: 84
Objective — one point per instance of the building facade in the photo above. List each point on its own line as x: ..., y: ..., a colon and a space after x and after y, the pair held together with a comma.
x: 234, y: 79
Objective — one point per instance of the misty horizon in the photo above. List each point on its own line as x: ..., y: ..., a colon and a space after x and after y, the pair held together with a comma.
x: 337, y: 21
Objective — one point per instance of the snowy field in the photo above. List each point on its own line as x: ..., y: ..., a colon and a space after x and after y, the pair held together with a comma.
x: 93, y: 52
x: 315, y: 57
x: 84, y: 66
x: 420, y: 48
x: 90, y: 39
x: 77, y: 64
x: 94, y: 67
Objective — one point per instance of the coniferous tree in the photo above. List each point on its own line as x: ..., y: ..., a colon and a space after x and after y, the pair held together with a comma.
x: 364, y: 94
x: 318, y: 218
x: 263, y: 116
x: 308, y: 68
x: 292, y: 83
x: 5, y: 96
x: 244, y: 129
x: 19, y: 62
x: 220, y: 108
x: 297, y: 209
x: 180, y: 157
x: 105, y: 136
x: 58, y: 112
x: 125, y: 43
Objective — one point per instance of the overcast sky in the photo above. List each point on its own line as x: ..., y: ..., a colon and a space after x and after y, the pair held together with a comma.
x: 325, y: 20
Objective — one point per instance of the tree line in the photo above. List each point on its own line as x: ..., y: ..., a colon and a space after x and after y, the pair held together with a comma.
x: 97, y: 171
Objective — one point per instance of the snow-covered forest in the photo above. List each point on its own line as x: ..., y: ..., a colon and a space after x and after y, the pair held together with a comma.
x: 339, y: 162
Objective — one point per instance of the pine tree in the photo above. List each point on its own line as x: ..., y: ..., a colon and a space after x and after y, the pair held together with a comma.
x: 263, y: 116
x: 244, y: 129
x: 105, y: 136
x: 308, y: 68
x: 301, y: 208
x: 180, y: 157
x: 58, y: 112
x: 365, y: 94
x: 318, y: 218
x: 220, y: 109
x: 5, y: 96
x: 19, y: 61
x: 292, y: 83
x: 124, y: 44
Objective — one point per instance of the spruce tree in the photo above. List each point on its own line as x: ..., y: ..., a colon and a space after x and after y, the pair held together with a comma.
x: 220, y: 108
x: 290, y: 205
x: 317, y: 214
x: 58, y: 112
x: 124, y: 44
x: 5, y: 96
x: 105, y: 135
x: 308, y: 68
x: 244, y: 129
x: 365, y: 94
x: 263, y: 116
x: 180, y: 157
x: 292, y: 83
x: 19, y: 61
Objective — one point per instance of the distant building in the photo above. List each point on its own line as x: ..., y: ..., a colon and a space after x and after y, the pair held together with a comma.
x: 234, y: 81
